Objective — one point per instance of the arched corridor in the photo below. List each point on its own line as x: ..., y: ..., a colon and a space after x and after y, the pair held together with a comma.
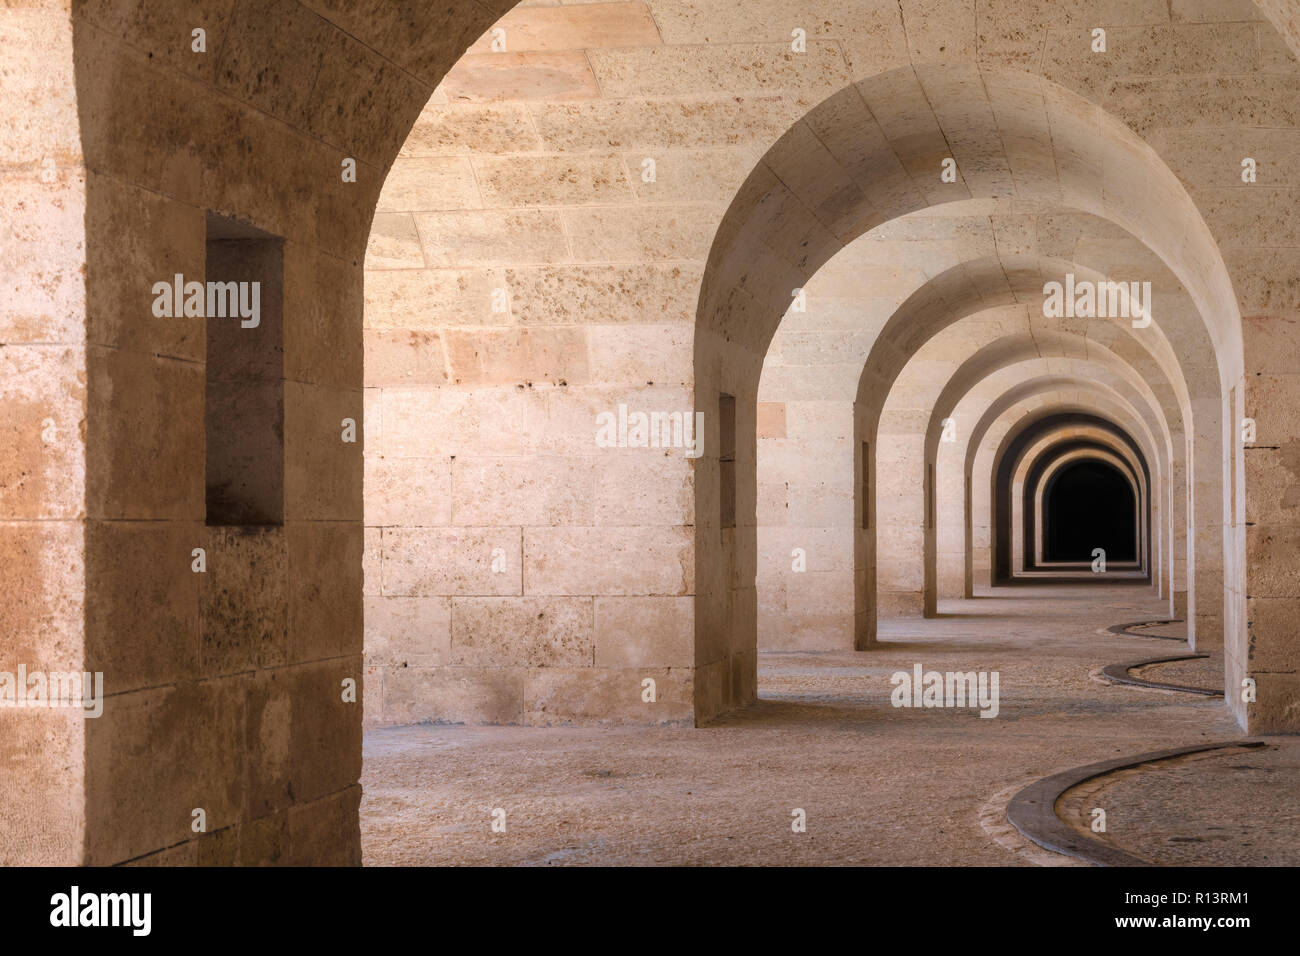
x: 645, y: 418
x: 1087, y: 504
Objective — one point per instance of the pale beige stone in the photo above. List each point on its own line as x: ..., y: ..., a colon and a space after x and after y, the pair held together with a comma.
x: 408, y: 492
x: 402, y: 631
x: 552, y: 180
x: 528, y: 632
x: 427, y: 184
x: 536, y: 491
x: 489, y: 77
x: 428, y: 562
x: 491, y: 238
x: 497, y: 334
x: 467, y: 129
x: 568, y: 28
x: 644, y: 632
x: 629, y: 561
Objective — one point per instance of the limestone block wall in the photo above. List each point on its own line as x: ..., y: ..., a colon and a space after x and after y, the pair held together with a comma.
x: 1261, y: 528
x: 227, y: 683
x: 901, y: 512
x: 534, y: 157
x: 42, y: 432
x: 806, y: 524
x: 909, y: 487
x: 1210, y: 490
x: 952, y: 517
x: 964, y: 468
x: 244, y: 661
x: 870, y: 40
x: 1265, y: 524
x: 534, y: 265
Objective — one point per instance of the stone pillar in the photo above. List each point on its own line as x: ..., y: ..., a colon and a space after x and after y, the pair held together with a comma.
x: 42, y: 420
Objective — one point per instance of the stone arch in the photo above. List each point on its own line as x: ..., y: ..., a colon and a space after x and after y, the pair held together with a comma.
x: 957, y: 296
x: 1007, y: 287
x: 1041, y: 497
x: 1041, y: 454
x: 968, y: 288
x: 1000, y: 354
x: 982, y: 283
x: 1035, y: 468
x: 138, y: 139
x: 1061, y: 415
x: 749, y: 279
x: 1008, y: 409
x: 1026, y: 439
x: 145, y: 138
x: 1028, y: 478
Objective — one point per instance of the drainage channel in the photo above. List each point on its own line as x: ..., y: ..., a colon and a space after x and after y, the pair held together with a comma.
x: 1119, y: 674
x: 1032, y: 811
x: 1125, y: 629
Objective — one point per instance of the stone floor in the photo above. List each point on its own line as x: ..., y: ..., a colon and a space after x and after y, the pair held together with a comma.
x: 1233, y: 807
x: 878, y: 784
x: 1206, y: 672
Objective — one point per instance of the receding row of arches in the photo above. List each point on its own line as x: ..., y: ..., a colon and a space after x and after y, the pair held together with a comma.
x: 891, y: 413
x: 863, y: 341
x: 1086, y: 503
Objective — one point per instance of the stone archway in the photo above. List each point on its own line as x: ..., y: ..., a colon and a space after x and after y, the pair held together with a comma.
x: 144, y: 138
x: 1054, y: 542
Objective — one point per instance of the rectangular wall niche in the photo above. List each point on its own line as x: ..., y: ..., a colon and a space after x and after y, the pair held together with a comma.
x: 929, y: 497
x: 1234, y: 435
x: 866, y: 486
x: 244, y: 413
x: 727, y: 458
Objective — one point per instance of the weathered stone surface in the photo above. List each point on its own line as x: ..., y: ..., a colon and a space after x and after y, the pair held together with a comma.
x: 151, y: 792
x: 425, y: 562
x: 144, y: 441
x: 555, y: 696
x: 402, y: 357
x: 42, y: 416
x: 43, y: 809
x: 532, y: 491
x: 324, y: 589
x: 408, y: 492
x: 403, y: 631
x: 243, y: 600
x: 426, y: 184
x: 644, y: 632
x: 566, y: 28
x: 524, y: 274
x: 140, y: 581
x: 534, y: 632
x: 490, y: 77
x: 627, y: 561
x: 453, y: 695
x: 322, y: 471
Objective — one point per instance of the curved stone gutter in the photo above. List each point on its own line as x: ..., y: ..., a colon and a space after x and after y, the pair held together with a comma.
x: 1124, y: 629
x: 1119, y: 674
x: 1032, y: 811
